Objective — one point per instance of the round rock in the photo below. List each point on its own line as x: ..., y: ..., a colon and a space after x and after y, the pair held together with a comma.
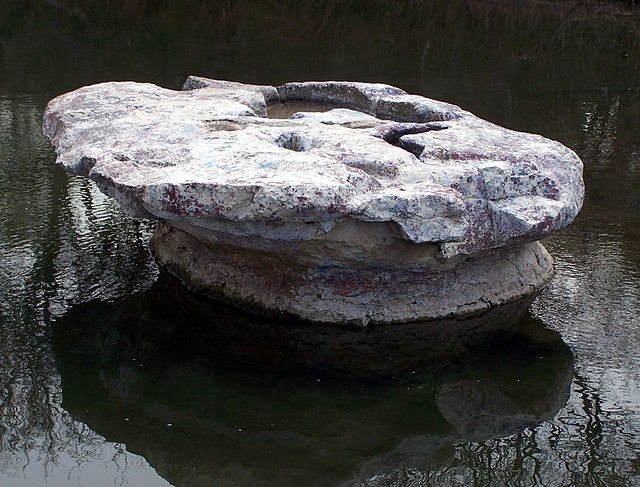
x: 338, y: 202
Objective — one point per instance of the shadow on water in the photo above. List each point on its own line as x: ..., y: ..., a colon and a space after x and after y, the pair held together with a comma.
x: 140, y: 371
x: 169, y: 319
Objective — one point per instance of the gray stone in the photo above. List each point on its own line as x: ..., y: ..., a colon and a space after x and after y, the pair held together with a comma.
x: 377, y: 207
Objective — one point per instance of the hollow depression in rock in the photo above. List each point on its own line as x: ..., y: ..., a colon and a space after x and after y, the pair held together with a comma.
x: 335, y: 202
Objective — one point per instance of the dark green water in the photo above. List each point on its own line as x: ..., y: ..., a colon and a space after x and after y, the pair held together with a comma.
x: 98, y: 386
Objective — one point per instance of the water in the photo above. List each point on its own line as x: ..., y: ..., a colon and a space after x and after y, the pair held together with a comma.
x: 105, y: 380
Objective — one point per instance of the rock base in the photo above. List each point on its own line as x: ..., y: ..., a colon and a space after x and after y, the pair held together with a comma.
x: 357, y: 274
x: 172, y: 325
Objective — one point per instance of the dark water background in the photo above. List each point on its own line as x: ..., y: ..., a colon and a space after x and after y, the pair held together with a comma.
x: 96, y: 388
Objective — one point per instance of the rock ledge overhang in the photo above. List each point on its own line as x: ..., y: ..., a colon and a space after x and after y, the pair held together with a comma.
x: 388, y: 207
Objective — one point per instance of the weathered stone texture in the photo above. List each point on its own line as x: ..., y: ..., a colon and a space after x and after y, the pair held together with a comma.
x: 307, y: 194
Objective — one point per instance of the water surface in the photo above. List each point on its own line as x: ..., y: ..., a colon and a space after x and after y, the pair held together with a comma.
x: 98, y: 387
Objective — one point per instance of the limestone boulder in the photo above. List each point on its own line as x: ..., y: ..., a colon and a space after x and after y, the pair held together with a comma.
x: 336, y: 202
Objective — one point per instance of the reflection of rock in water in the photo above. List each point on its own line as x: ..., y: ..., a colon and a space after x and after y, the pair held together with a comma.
x: 177, y: 321
x: 479, y: 409
x: 137, y: 378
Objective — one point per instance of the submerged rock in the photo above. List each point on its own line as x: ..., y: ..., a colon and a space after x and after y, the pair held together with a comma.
x: 367, y: 205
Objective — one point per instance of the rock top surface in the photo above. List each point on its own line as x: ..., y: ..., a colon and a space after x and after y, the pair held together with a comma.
x: 209, y: 156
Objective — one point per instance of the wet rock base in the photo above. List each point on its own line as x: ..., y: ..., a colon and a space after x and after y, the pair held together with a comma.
x: 357, y: 275
x: 177, y: 319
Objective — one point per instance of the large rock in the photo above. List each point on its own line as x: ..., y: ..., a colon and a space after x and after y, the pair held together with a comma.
x: 369, y: 205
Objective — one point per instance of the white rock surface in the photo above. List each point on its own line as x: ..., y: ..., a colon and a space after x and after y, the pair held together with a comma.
x: 209, y: 162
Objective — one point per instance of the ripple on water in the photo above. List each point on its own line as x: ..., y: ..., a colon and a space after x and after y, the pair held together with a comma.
x: 61, y: 243
x: 594, y: 303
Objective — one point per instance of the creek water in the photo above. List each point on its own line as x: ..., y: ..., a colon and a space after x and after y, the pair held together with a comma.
x: 97, y: 387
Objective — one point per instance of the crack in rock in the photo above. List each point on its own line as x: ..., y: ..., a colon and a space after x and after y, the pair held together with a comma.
x: 394, y: 132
